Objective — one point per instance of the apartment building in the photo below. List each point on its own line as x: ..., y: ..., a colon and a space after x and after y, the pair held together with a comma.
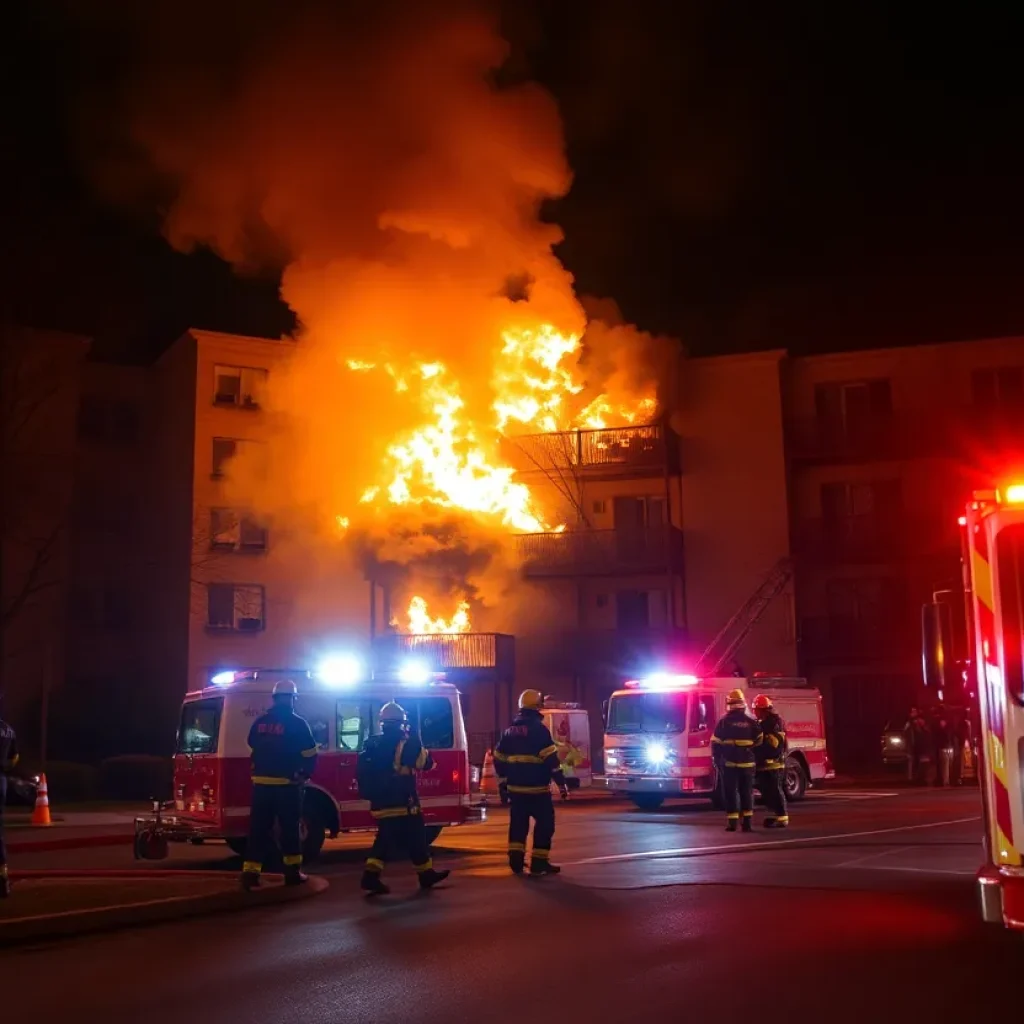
x: 882, y: 448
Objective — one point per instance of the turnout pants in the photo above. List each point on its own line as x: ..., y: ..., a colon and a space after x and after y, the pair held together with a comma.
x: 738, y: 786
x: 401, y: 833
x: 771, y: 783
x: 523, y: 807
x: 280, y: 805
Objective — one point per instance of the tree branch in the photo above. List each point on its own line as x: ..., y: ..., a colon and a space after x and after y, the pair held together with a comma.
x: 33, y: 583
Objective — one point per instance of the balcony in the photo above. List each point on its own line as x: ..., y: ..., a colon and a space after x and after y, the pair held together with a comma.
x: 824, y: 639
x: 463, y: 657
x: 865, y: 540
x: 651, y: 549
x: 617, y: 451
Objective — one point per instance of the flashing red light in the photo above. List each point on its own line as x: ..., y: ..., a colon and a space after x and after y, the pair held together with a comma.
x: 1015, y: 494
x: 455, y: 775
x: 661, y: 681
x: 962, y: 521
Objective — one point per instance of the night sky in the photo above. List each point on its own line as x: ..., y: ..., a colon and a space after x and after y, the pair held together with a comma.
x: 805, y: 176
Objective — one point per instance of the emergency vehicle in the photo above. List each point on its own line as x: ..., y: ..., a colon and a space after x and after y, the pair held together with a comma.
x: 657, y: 740
x: 569, y: 725
x: 992, y: 535
x: 211, y: 765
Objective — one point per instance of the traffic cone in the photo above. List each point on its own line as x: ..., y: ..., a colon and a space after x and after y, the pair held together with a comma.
x: 41, y: 812
x: 488, y: 780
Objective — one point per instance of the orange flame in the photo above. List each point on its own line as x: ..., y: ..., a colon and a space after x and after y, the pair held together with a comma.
x: 420, y: 622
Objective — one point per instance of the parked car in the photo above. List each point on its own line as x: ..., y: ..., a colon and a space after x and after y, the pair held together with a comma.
x: 21, y: 792
x: 894, y: 745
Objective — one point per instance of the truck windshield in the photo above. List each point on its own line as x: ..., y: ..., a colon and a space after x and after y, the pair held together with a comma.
x: 200, y: 726
x: 647, y: 712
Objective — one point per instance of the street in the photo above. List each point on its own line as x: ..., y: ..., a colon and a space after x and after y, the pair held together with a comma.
x: 863, y: 910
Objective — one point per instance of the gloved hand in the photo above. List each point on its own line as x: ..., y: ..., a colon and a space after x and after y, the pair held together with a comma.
x: 565, y: 792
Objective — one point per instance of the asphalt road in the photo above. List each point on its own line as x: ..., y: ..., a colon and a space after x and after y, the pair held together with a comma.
x: 862, y: 911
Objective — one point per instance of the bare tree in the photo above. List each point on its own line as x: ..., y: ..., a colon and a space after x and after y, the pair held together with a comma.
x: 556, y: 457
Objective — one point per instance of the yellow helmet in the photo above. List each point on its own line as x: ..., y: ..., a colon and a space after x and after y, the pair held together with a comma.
x: 392, y: 712
x: 736, y: 699
x: 531, y: 699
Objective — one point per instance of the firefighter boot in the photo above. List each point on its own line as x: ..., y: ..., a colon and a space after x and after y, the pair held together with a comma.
x: 250, y: 880
x: 730, y: 825
x: 782, y: 821
x: 372, y: 885
x: 430, y: 878
x: 293, y: 876
x: 748, y: 825
x: 517, y: 861
x: 542, y: 866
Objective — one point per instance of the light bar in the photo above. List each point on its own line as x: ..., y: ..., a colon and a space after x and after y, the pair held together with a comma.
x: 662, y: 681
x: 414, y: 673
x: 339, y: 670
x: 1015, y: 494
x: 223, y: 678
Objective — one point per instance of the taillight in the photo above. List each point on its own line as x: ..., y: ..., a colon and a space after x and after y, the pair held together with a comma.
x: 455, y: 775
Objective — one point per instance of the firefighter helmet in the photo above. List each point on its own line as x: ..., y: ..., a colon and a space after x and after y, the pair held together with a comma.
x: 762, y: 702
x: 392, y: 712
x: 285, y: 688
x: 735, y: 699
x: 531, y: 699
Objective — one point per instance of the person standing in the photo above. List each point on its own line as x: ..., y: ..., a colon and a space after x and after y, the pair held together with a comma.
x: 734, y: 744
x: 943, y: 740
x: 916, y: 734
x: 8, y: 759
x: 771, y: 761
x: 527, y: 759
x: 283, y: 758
x: 386, y: 775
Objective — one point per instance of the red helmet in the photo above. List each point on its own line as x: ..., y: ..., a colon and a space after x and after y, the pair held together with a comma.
x: 762, y: 702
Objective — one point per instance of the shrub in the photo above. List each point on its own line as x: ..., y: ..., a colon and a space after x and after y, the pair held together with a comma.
x: 136, y: 777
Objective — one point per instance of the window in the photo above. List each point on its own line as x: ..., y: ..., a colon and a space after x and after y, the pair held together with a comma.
x: 995, y: 386
x: 235, y: 606
x: 353, y: 725
x: 224, y: 449
x: 227, y: 448
x: 864, y: 604
x: 108, y: 421
x: 852, y: 405
x: 200, y: 726
x: 640, y: 609
x: 635, y: 513
x: 239, y: 386
x: 647, y: 712
x: 878, y: 501
x: 436, y: 723
x: 599, y: 506
x: 703, y: 716
x: 1010, y: 572
x: 231, y: 530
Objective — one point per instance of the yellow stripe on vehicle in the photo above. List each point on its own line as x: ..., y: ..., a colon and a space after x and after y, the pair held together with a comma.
x: 394, y: 812
x: 982, y: 579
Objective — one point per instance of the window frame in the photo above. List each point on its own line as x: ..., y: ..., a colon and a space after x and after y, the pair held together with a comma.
x: 246, y: 399
x: 235, y: 619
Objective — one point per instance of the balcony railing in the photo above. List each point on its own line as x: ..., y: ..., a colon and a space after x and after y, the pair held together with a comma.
x: 490, y: 655
x: 827, y: 639
x: 617, y: 449
x: 602, y: 552
x: 874, y: 539
x: 901, y: 435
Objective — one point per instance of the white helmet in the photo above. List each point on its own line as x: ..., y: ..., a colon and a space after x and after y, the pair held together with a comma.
x: 285, y: 688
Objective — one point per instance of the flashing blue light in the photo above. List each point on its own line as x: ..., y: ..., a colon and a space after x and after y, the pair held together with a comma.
x: 223, y: 678
x: 657, y: 753
x: 339, y: 670
x: 414, y: 673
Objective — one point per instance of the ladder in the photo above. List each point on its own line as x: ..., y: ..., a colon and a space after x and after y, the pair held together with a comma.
x: 731, y: 636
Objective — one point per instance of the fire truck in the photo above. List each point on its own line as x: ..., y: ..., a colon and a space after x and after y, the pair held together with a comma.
x: 992, y: 539
x: 212, y: 788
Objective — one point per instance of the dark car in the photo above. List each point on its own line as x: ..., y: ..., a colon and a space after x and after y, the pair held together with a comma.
x: 894, y: 744
x: 21, y: 792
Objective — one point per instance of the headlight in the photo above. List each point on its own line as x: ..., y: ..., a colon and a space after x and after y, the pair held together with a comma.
x: 896, y: 741
x: 657, y: 753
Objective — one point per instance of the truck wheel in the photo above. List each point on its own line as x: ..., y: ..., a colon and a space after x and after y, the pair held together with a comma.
x: 312, y: 832
x: 433, y: 831
x: 237, y: 846
x: 796, y: 780
x: 647, y: 801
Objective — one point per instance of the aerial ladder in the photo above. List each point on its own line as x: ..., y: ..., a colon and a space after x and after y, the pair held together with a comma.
x: 730, y: 637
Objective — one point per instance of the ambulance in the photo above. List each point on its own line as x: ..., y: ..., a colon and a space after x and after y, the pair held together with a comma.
x: 211, y: 763
x: 657, y: 739
x: 569, y: 725
x: 992, y: 535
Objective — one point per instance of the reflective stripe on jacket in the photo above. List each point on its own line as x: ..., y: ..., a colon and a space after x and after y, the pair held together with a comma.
x: 526, y: 757
x: 736, y: 739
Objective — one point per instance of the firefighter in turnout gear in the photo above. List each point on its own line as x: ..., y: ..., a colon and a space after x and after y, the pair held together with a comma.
x: 771, y: 762
x: 386, y: 774
x: 8, y: 759
x: 526, y: 760
x: 283, y: 757
x: 735, y: 741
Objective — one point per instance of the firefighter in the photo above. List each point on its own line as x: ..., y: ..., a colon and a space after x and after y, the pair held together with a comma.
x: 8, y: 759
x: 526, y: 760
x: 283, y: 758
x: 734, y: 743
x: 386, y: 775
x: 771, y: 762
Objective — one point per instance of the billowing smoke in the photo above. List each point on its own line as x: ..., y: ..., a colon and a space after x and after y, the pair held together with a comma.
x: 370, y: 151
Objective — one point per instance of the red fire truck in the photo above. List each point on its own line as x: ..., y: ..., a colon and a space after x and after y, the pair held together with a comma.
x: 211, y: 763
x: 992, y: 533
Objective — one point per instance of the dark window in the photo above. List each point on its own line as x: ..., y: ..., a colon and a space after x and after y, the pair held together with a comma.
x: 1010, y: 572
x: 852, y: 406
x: 252, y: 536
x: 235, y: 606
x: 995, y: 386
x: 200, y: 726
x: 240, y: 386
x: 703, y: 716
x: 224, y: 449
x: 631, y: 610
x: 437, y: 723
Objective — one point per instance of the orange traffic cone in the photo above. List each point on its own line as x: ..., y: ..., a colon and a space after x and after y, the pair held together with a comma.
x: 488, y: 780
x: 41, y: 813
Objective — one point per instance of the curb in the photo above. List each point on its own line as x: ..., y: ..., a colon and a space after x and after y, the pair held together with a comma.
x: 130, y: 915
x: 67, y: 843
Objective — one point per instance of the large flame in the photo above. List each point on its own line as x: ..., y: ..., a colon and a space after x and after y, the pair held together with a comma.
x: 451, y: 462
